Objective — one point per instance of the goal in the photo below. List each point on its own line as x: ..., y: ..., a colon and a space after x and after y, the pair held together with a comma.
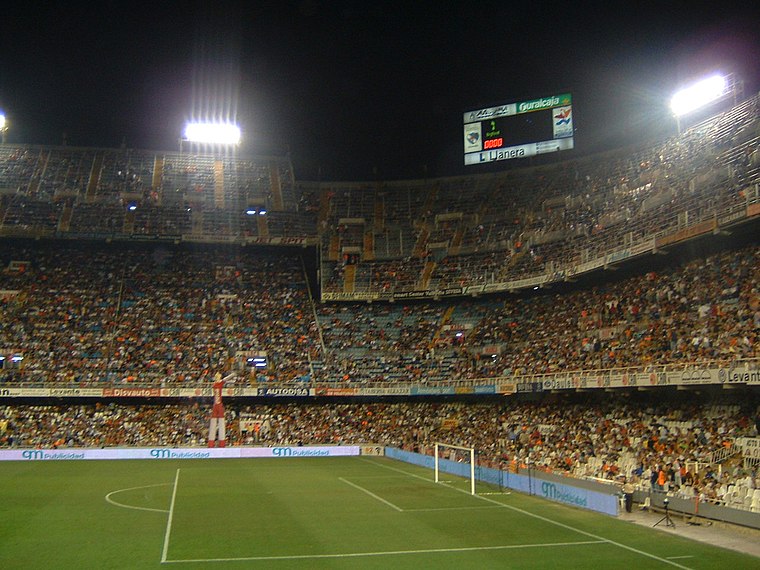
x: 457, y: 460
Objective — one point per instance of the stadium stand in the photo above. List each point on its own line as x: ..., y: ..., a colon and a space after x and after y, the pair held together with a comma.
x: 140, y: 270
x: 605, y: 439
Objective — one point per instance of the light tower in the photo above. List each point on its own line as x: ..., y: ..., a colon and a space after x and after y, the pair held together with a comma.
x: 702, y: 93
x: 214, y: 135
x: 3, y: 127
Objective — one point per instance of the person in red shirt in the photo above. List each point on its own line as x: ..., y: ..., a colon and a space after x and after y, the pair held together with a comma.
x: 216, y: 430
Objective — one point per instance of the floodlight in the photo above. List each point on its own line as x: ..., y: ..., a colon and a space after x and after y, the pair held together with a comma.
x: 212, y: 133
x: 2, y: 122
x: 698, y: 95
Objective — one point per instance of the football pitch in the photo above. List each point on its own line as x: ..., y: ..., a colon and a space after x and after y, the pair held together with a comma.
x: 352, y: 512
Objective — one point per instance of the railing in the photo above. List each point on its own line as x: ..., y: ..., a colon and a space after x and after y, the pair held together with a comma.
x: 677, y: 374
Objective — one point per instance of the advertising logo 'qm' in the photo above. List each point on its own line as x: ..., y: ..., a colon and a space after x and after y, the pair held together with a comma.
x: 32, y: 454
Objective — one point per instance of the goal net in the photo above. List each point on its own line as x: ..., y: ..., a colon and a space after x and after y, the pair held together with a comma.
x: 456, y: 460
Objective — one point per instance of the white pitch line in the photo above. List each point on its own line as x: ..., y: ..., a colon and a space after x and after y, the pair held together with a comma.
x: 539, y: 517
x: 679, y: 557
x: 387, y: 553
x: 110, y: 500
x: 169, y: 520
x: 433, y: 509
x: 371, y: 494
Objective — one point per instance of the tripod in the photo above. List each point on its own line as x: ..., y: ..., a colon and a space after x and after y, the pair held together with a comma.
x: 666, y: 519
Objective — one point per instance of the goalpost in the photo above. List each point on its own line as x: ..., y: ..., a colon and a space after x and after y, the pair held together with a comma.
x: 458, y: 451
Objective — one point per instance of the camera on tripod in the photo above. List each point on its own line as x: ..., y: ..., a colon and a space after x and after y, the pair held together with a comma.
x: 666, y: 519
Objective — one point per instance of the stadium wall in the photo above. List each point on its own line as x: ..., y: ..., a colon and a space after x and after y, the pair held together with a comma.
x: 690, y: 509
x: 75, y: 454
x: 602, y: 501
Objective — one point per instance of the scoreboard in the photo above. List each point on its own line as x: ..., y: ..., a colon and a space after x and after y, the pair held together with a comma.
x: 519, y: 130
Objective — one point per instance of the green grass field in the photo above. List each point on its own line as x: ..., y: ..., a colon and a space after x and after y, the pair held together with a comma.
x: 306, y: 513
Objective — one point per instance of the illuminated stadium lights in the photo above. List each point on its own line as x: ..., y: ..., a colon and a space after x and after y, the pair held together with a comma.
x: 698, y: 95
x: 212, y: 133
x: 3, y: 126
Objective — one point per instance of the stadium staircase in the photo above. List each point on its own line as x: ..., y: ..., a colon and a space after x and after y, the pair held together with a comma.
x: 456, y: 241
x: 333, y: 253
x: 427, y: 272
x: 278, y: 204
x: 94, y: 180
x: 368, y: 251
x: 196, y: 221
x: 129, y: 222
x: 444, y: 320
x: 515, y: 259
x: 349, y: 278
x: 158, y: 175
x: 219, y: 201
x: 64, y: 223
x: 379, y: 217
x: 34, y: 183
x: 262, y: 225
x: 420, y: 246
x: 324, y: 208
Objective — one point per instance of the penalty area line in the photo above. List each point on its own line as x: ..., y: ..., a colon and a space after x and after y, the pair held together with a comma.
x: 539, y: 517
x: 386, y: 553
x: 169, y: 519
x: 371, y: 494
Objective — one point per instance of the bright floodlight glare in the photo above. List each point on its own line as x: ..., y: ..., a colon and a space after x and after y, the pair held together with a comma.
x: 212, y: 133
x: 698, y: 95
x: 2, y: 121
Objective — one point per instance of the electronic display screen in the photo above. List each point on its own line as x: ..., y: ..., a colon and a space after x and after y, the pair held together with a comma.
x: 518, y: 130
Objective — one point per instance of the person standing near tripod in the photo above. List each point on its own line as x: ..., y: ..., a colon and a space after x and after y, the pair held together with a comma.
x: 628, y: 490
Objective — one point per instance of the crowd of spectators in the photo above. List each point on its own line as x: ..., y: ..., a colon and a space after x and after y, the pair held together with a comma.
x: 82, y: 314
x: 412, y: 235
x: 87, y: 313
x: 536, y: 221
x: 662, y: 444
x: 706, y: 310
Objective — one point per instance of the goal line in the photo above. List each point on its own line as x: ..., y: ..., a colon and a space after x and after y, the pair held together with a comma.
x: 468, y: 452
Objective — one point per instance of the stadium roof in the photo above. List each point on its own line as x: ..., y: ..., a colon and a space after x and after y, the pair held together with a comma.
x: 353, y: 90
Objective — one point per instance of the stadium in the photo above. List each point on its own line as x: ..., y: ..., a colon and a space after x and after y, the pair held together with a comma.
x: 209, y: 360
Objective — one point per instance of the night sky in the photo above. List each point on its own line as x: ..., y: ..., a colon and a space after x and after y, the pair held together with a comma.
x: 355, y: 90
